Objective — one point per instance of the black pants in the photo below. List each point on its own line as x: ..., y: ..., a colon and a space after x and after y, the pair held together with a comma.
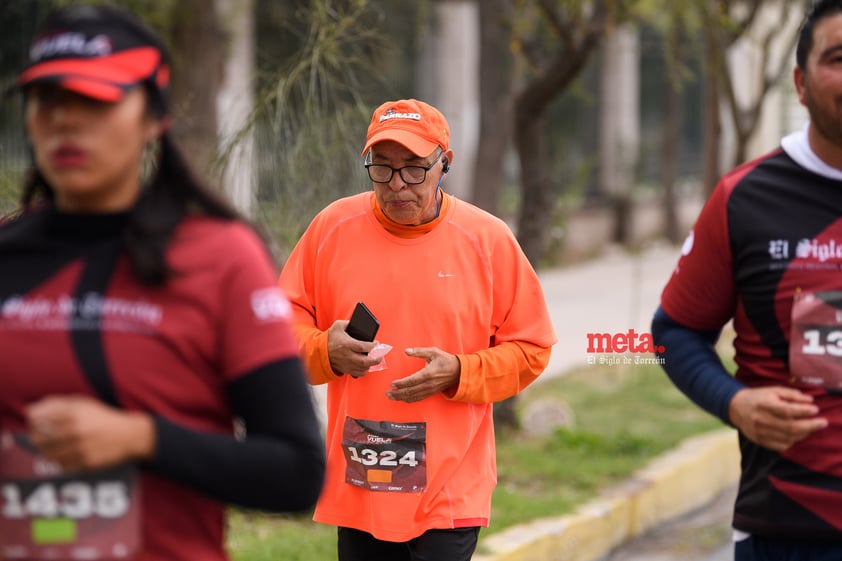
x: 756, y: 548
x: 432, y: 545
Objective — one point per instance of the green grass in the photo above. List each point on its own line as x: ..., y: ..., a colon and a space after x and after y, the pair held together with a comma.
x: 261, y: 537
x: 624, y: 416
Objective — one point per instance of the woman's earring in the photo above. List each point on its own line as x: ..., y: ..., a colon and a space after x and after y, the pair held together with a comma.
x: 149, y: 160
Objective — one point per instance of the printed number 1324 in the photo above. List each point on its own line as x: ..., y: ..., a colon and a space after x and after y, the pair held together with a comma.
x: 385, y: 458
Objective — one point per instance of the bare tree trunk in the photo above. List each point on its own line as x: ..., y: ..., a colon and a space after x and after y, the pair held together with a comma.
x: 619, y: 131
x: 199, y: 40
x: 236, y: 102
x: 530, y: 108
x: 671, y: 134
x: 580, y: 37
x: 451, y: 84
x: 712, y: 123
x: 535, y: 214
x: 669, y: 162
x: 495, y: 78
x: 537, y: 203
x: 741, y: 150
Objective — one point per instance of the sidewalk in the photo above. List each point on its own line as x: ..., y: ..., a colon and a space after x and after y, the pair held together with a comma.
x: 610, y: 294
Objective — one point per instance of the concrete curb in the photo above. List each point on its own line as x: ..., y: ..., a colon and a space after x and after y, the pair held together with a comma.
x: 674, y: 483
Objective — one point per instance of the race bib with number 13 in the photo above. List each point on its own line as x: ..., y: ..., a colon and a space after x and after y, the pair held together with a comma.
x: 815, y: 346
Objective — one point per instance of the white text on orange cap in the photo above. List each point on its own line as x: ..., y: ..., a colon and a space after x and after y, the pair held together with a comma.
x: 392, y: 115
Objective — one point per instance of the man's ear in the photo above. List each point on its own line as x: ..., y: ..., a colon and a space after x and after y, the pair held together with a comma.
x: 799, y: 79
x: 447, y: 161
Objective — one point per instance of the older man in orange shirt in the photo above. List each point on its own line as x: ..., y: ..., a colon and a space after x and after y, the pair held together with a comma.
x: 410, y: 437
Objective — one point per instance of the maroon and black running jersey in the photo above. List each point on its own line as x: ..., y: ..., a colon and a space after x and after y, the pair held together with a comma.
x: 773, y: 229
x: 170, y: 351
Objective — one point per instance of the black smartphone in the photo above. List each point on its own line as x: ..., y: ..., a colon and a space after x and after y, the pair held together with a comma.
x: 363, y: 324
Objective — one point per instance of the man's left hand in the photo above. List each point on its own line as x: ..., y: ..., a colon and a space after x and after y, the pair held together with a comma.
x: 440, y: 373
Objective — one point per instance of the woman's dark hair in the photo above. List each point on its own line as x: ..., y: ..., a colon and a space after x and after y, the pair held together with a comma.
x: 173, y: 193
x: 818, y: 11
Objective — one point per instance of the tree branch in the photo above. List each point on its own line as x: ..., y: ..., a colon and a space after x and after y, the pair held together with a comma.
x: 554, y: 17
x: 579, y: 37
x: 742, y: 25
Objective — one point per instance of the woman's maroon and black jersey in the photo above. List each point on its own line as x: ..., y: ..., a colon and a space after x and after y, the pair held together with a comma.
x: 773, y: 229
x: 211, y: 345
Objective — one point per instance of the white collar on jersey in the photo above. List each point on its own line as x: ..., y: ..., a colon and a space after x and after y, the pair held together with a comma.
x: 798, y: 148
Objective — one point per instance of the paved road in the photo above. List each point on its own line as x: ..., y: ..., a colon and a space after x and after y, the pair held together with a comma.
x: 703, y: 535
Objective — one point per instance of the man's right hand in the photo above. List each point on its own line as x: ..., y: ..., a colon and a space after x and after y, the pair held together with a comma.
x: 775, y: 417
x: 348, y: 355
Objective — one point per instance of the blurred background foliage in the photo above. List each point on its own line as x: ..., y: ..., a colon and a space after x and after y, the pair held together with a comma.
x: 322, y: 66
x: 317, y: 88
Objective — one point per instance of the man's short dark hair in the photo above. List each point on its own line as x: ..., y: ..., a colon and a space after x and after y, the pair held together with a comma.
x: 820, y: 10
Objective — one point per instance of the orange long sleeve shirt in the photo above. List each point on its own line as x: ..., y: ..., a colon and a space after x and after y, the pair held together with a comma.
x: 459, y: 283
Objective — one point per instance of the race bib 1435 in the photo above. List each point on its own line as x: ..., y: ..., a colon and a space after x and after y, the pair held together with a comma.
x: 46, y: 513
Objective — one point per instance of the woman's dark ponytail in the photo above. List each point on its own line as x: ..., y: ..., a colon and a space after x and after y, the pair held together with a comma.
x: 173, y: 192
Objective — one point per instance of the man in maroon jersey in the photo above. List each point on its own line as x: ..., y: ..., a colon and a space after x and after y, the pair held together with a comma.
x: 766, y: 252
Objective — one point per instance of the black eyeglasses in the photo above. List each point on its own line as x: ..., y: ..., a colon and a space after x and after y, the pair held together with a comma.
x: 412, y: 175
